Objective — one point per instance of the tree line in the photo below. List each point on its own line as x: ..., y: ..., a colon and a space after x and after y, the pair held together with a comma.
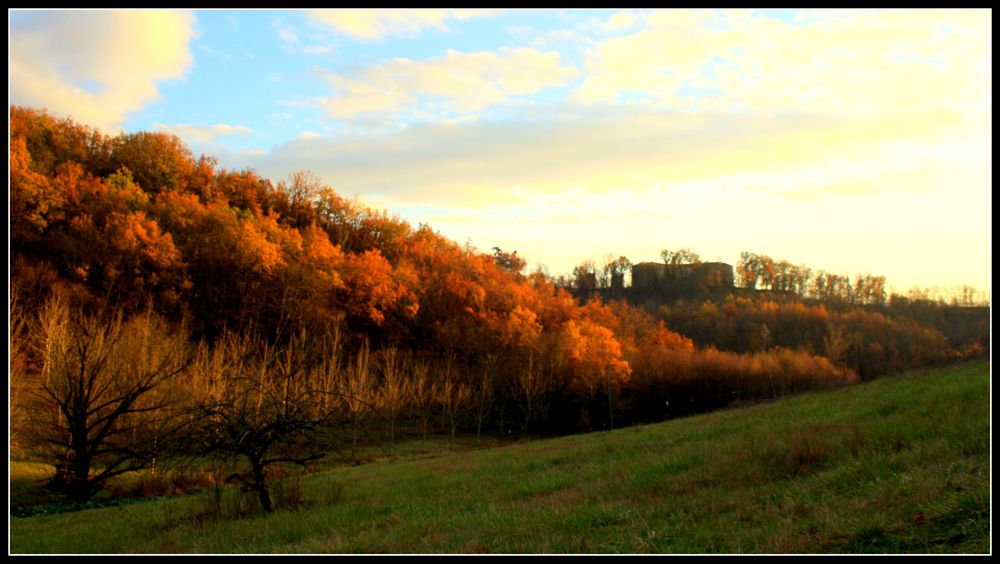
x: 164, y: 309
x: 766, y: 284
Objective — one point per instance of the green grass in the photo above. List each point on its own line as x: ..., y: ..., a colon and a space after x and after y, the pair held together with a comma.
x: 897, y: 465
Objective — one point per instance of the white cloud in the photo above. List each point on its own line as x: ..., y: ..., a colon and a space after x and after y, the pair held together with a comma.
x: 466, y: 82
x: 376, y: 24
x: 204, y: 133
x: 288, y: 34
x: 96, y: 65
x: 620, y: 22
x: 857, y: 63
x: 847, y: 194
x: 564, y: 40
x: 309, y: 43
x: 591, y: 151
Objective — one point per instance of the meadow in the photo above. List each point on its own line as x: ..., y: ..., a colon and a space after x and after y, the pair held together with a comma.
x: 895, y: 465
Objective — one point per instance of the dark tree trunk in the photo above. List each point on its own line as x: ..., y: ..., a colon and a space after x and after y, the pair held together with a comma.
x: 259, y: 485
x: 79, y: 487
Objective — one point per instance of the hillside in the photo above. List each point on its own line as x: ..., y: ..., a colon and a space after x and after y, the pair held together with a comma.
x: 895, y: 465
x: 163, y: 309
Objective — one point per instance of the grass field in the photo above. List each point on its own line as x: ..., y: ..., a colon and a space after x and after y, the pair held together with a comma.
x: 897, y: 465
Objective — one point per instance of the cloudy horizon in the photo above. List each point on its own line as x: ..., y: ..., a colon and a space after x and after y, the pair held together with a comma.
x: 853, y: 141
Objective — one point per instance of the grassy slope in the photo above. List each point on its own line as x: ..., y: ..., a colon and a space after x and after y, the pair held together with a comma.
x: 895, y: 465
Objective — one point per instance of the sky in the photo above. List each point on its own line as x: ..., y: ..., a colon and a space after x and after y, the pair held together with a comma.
x: 852, y: 141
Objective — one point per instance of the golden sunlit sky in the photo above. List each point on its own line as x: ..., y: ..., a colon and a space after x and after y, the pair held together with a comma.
x: 853, y: 141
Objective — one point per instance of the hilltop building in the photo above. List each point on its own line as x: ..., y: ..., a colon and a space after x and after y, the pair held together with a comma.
x: 703, y: 276
x: 656, y: 281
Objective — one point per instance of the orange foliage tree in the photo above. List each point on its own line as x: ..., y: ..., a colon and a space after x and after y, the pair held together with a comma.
x: 136, y: 218
x: 594, y: 359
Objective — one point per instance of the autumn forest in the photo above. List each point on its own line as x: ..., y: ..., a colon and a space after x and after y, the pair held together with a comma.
x: 165, y: 310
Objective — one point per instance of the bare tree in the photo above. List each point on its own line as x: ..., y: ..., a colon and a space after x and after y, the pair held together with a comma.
x: 268, y: 404
x: 20, y: 383
x: 392, y: 393
x: 422, y: 393
x: 679, y: 257
x: 585, y: 275
x: 359, y: 387
x: 455, y: 398
x: 303, y: 190
x: 482, y: 396
x: 102, y: 410
x: 529, y: 387
x: 614, y: 271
